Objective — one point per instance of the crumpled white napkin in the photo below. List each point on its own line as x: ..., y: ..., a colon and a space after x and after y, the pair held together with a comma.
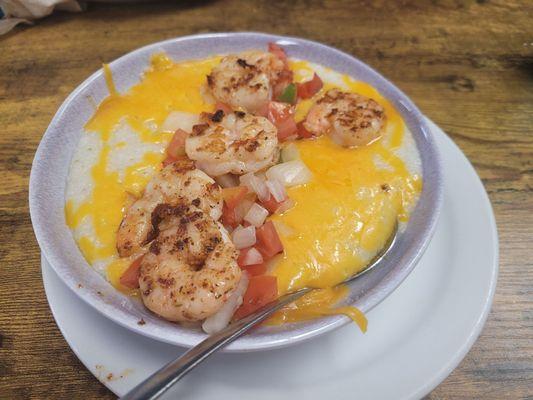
x: 25, y: 11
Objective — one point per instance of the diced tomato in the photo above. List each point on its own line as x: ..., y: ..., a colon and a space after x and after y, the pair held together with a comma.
x: 228, y: 217
x: 302, y: 131
x: 263, y: 111
x: 233, y: 196
x: 237, y: 200
x: 130, y: 277
x: 261, y: 290
x: 224, y: 107
x: 282, y: 116
x: 308, y: 89
x: 268, y: 241
x: 287, y: 129
x: 168, y: 160
x: 176, y: 147
x: 271, y: 204
x: 286, y: 76
x: 278, y: 111
x: 278, y: 52
x: 255, y: 270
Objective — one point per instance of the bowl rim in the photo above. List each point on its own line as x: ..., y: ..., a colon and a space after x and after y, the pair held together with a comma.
x: 432, y: 192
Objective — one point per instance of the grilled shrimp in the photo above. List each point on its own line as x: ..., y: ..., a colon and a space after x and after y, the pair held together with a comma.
x: 236, y: 143
x: 191, y: 268
x: 176, y: 183
x: 246, y: 80
x: 350, y: 119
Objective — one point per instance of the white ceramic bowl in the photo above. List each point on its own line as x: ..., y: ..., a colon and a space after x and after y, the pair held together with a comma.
x: 51, y: 164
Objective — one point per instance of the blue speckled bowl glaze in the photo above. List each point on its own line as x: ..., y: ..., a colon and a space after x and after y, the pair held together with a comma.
x: 51, y: 164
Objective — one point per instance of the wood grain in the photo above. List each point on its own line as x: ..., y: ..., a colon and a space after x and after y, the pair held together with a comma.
x: 467, y: 64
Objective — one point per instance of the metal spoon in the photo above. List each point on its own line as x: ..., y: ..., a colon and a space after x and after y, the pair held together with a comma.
x: 160, y: 381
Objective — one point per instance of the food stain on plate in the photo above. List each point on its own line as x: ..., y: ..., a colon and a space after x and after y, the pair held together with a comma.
x: 104, y: 375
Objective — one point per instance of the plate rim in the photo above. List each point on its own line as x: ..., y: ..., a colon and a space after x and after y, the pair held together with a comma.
x: 375, y: 296
x: 457, y: 356
x: 461, y: 353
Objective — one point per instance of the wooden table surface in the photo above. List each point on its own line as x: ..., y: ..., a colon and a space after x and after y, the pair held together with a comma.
x: 467, y: 64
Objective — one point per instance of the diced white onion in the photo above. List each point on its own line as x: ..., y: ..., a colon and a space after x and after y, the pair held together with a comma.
x: 151, y: 125
x: 242, y: 209
x: 286, y: 205
x: 272, y: 263
x: 179, y: 120
x: 246, y: 179
x: 277, y: 190
x: 253, y: 257
x: 227, y: 180
x: 221, y: 319
x: 256, y: 185
x: 243, y: 237
x: 283, y: 229
x: 289, y: 152
x: 290, y: 173
x: 256, y: 215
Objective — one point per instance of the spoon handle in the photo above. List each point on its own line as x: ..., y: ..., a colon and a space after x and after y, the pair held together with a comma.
x: 159, y: 382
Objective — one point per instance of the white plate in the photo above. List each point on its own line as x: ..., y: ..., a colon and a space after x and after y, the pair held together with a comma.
x: 49, y: 176
x: 416, y: 337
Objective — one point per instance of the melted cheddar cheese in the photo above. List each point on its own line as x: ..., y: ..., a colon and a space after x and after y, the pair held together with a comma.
x: 319, y: 303
x: 345, y: 215
x: 340, y: 219
x: 166, y: 86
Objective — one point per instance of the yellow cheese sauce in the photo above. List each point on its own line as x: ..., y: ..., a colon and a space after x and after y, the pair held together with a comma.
x: 319, y: 304
x: 340, y: 219
x: 115, y: 270
x: 344, y: 216
x: 166, y: 86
